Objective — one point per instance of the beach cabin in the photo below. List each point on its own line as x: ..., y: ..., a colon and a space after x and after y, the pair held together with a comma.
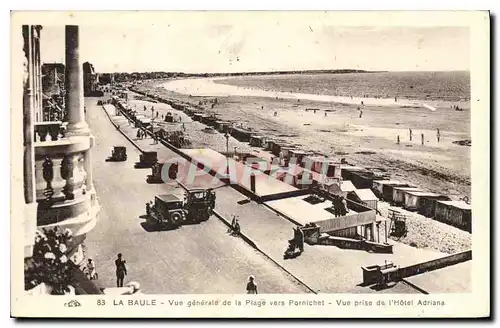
x: 456, y: 213
x: 204, y: 118
x: 221, y: 126
x: 286, y: 152
x: 297, y: 156
x: 277, y: 144
x: 197, y: 117
x: 240, y: 134
x: 291, y: 175
x: 323, y: 165
x: 257, y: 141
x: 415, y: 199
x: 378, y: 185
x: 269, y: 144
x: 398, y: 194
x: 362, y: 179
x: 427, y: 205
x: 347, y: 170
x: 210, y: 120
x: 388, y: 189
x: 364, y: 196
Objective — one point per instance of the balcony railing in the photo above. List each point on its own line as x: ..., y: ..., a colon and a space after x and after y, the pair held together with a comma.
x: 61, y: 173
x: 49, y: 131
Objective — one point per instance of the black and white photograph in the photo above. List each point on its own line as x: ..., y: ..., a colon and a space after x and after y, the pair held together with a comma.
x: 281, y: 154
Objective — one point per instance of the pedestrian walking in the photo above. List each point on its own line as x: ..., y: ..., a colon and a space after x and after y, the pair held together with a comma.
x: 438, y: 135
x: 422, y: 136
x: 121, y: 270
x: 251, y: 286
x: 411, y: 134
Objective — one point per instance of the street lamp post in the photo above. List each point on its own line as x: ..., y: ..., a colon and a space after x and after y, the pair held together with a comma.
x: 227, y: 152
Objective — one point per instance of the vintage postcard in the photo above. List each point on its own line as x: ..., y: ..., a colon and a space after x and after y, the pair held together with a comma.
x: 250, y: 164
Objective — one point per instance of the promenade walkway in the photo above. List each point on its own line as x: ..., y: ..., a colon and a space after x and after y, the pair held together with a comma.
x: 325, y: 269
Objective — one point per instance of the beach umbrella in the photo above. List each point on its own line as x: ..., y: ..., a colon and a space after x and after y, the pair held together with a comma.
x: 430, y: 107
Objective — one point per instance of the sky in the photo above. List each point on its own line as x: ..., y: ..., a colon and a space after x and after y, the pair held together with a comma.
x: 240, y: 46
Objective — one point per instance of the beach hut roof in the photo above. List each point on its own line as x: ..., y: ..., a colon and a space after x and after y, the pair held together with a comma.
x: 347, y: 186
x: 408, y: 188
x: 384, y: 182
x: 351, y: 168
x: 423, y: 194
x: 455, y: 203
x: 365, y: 194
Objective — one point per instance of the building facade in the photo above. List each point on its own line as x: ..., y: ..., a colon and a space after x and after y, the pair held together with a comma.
x: 57, y: 169
x: 90, y: 79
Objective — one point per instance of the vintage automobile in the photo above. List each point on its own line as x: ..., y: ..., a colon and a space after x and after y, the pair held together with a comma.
x: 147, y: 159
x: 199, y: 204
x: 166, y: 212
x: 156, y: 172
x: 118, y: 154
x: 169, y: 211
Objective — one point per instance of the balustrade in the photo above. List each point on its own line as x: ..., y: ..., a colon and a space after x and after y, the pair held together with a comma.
x: 60, y: 169
x: 49, y: 131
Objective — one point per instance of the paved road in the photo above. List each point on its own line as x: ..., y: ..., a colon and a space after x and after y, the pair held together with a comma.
x: 192, y: 259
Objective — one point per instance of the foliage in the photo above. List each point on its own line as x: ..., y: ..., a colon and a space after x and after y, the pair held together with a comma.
x: 49, y: 263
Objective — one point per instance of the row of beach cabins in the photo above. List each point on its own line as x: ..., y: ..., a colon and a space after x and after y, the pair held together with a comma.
x: 356, y: 183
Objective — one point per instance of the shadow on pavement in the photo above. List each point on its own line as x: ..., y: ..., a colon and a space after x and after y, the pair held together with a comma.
x: 153, y: 227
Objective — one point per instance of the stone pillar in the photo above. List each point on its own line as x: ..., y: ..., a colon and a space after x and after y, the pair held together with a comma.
x: 87, y: 162
x: 372, y: 231
x: 74, y: 85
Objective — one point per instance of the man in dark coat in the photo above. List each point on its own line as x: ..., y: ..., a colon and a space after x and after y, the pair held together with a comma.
x: 121, y: 270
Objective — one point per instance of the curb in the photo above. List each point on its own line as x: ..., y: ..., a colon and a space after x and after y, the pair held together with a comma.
x: 415, y: 286
x: 123, y: 133
x: 252, y: 244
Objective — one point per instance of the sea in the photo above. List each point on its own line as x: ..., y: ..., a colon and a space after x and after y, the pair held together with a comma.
x: 452, y: 86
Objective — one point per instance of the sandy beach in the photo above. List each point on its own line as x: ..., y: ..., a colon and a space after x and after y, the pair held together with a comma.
x: 337, y: 130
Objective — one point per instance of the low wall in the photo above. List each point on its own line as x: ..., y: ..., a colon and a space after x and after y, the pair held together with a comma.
x: 347, y: 243
x: 286, y: 194
x: 435, y: 264
x: 347, y: 221
x: 400, y: 273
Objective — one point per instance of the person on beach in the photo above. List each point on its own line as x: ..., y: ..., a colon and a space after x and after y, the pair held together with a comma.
x: 438, y: 135
x: 398, y: 140
x: 422, y: 136
x: 251, y: 286
x: 411, y: 134
x: 395, y: 99
x: 275, y: 113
